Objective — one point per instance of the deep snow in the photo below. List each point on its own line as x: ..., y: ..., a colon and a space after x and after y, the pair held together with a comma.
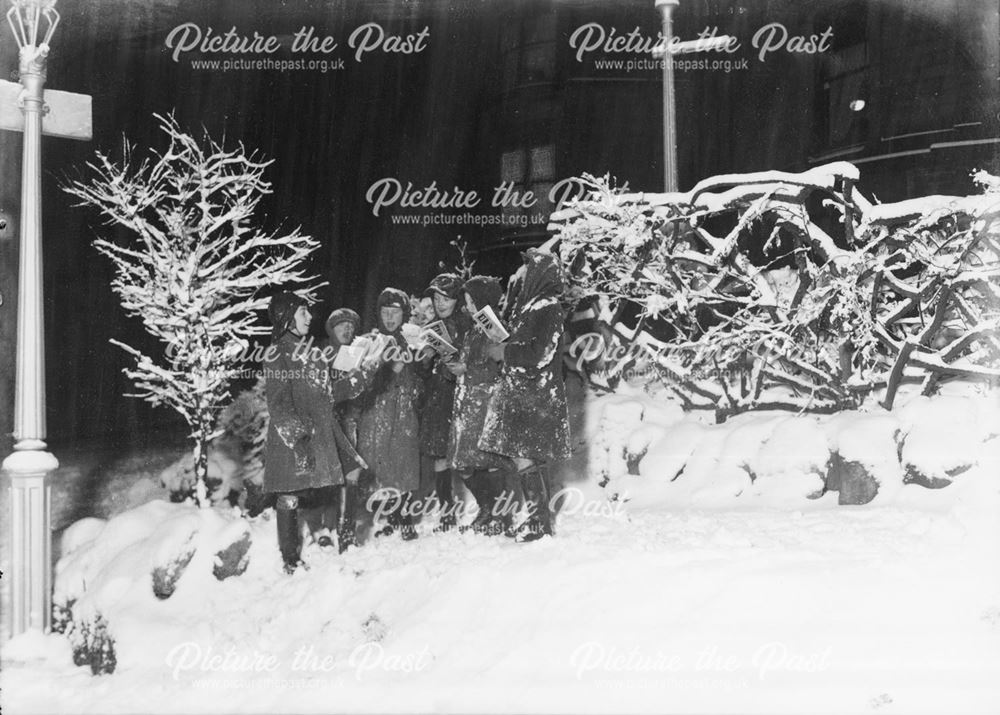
x: 764, y: 602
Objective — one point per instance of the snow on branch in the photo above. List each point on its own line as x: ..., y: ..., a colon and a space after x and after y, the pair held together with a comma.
x: 756, y: 288
x: 195, y: 265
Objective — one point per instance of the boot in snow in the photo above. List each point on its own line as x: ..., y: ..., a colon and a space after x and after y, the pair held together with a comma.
x: 539, y: 521
x: 446, y: 499
x: 404, y: 520
x: 324, y: 539
x: 289, y: 536
x: 507, y: 503
x: 318, y: 509
x: 482, y: 490
x: 388, y: 526
x: 346, y: 530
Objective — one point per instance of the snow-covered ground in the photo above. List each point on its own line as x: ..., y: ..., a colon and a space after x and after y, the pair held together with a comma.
x: 764, y: 602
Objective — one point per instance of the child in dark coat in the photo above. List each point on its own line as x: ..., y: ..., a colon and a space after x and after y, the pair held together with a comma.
x: 341, y: 327
x: 388, y: 428
x: 477, y: 373
x: 439, y: 391
x: 301, y: 458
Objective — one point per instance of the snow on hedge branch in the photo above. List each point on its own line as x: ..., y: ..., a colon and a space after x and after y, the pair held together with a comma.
x: 193, y: 268
x: 787, y: 289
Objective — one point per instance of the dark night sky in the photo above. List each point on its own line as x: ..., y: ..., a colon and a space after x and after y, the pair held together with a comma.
x: 441, y: 115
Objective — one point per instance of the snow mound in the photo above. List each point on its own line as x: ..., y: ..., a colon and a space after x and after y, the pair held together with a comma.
x: 649, y: 453
x: 792, y: 462
x: 943, y: 437
x: 148, y: 564
x: 81, y: 532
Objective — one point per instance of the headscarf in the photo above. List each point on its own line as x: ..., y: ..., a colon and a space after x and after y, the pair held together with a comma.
x: 540, y: 277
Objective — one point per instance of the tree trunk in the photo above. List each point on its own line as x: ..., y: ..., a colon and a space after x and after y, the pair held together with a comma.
x: 201, y: 497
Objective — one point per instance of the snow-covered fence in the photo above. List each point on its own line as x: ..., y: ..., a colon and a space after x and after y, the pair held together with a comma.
x: 784, y: 290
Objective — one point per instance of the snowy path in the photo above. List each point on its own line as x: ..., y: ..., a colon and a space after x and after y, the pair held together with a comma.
x: 891, y: 609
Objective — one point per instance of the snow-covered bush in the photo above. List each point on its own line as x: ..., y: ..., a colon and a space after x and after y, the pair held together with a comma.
x: 756, y: 291
x: 222, y: 476
x: 193, y: 270
x: 235, y: 456
x: 92, y: 645
x: 118, y: 581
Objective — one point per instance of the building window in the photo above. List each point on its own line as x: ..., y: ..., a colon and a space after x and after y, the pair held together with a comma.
x: 529, y: 51
x: 528, y: 169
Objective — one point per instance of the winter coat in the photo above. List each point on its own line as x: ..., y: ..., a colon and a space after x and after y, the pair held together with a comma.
x: 527, y: 415
x: 472, y: 396
x: 388, y: 428
x: 439, y: 393
x: 348, y: 412
x: 303, y: 431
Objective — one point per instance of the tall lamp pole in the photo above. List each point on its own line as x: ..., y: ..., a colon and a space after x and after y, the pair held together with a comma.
x: 33, y: 23
x: 666, y: 8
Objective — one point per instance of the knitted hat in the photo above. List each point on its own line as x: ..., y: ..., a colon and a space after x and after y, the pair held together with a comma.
x: 281, y: 311
x: 484, y: 290
x: 447, y: 284
x: 342, y: 315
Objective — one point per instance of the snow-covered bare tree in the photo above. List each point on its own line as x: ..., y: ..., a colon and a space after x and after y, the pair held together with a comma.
x: 195, y: 267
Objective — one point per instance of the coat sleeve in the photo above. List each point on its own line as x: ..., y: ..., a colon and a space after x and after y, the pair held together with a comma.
x: 281, y: 407
x: 537, y: 340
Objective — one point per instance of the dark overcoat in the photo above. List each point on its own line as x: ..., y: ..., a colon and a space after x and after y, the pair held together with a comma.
x: 439, y: 393
x: 303, y: 430
x: 527, y: 415
x: 472, y: 396
x: 388, y: 427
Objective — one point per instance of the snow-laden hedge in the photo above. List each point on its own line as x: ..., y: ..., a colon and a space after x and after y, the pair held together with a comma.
x: 756, y: 291
x: 645, y: 450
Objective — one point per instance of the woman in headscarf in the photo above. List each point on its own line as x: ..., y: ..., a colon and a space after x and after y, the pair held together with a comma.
x: 527, y: 418
x: 388, y: 429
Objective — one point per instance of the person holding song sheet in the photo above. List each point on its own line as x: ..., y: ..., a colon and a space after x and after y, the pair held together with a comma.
x: 388, y: 428
x: 527, y: 418
x: 477, y: 374
x: 302, y: 466
x: 346, y: 360
x: 444, y: 337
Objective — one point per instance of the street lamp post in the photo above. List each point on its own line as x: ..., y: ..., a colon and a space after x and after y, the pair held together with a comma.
x: 666, y: 8
x: 666, y: 51
x: 33, y: 23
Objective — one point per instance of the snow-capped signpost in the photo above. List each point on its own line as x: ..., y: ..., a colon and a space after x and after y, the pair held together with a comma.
x: 29, y: 108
